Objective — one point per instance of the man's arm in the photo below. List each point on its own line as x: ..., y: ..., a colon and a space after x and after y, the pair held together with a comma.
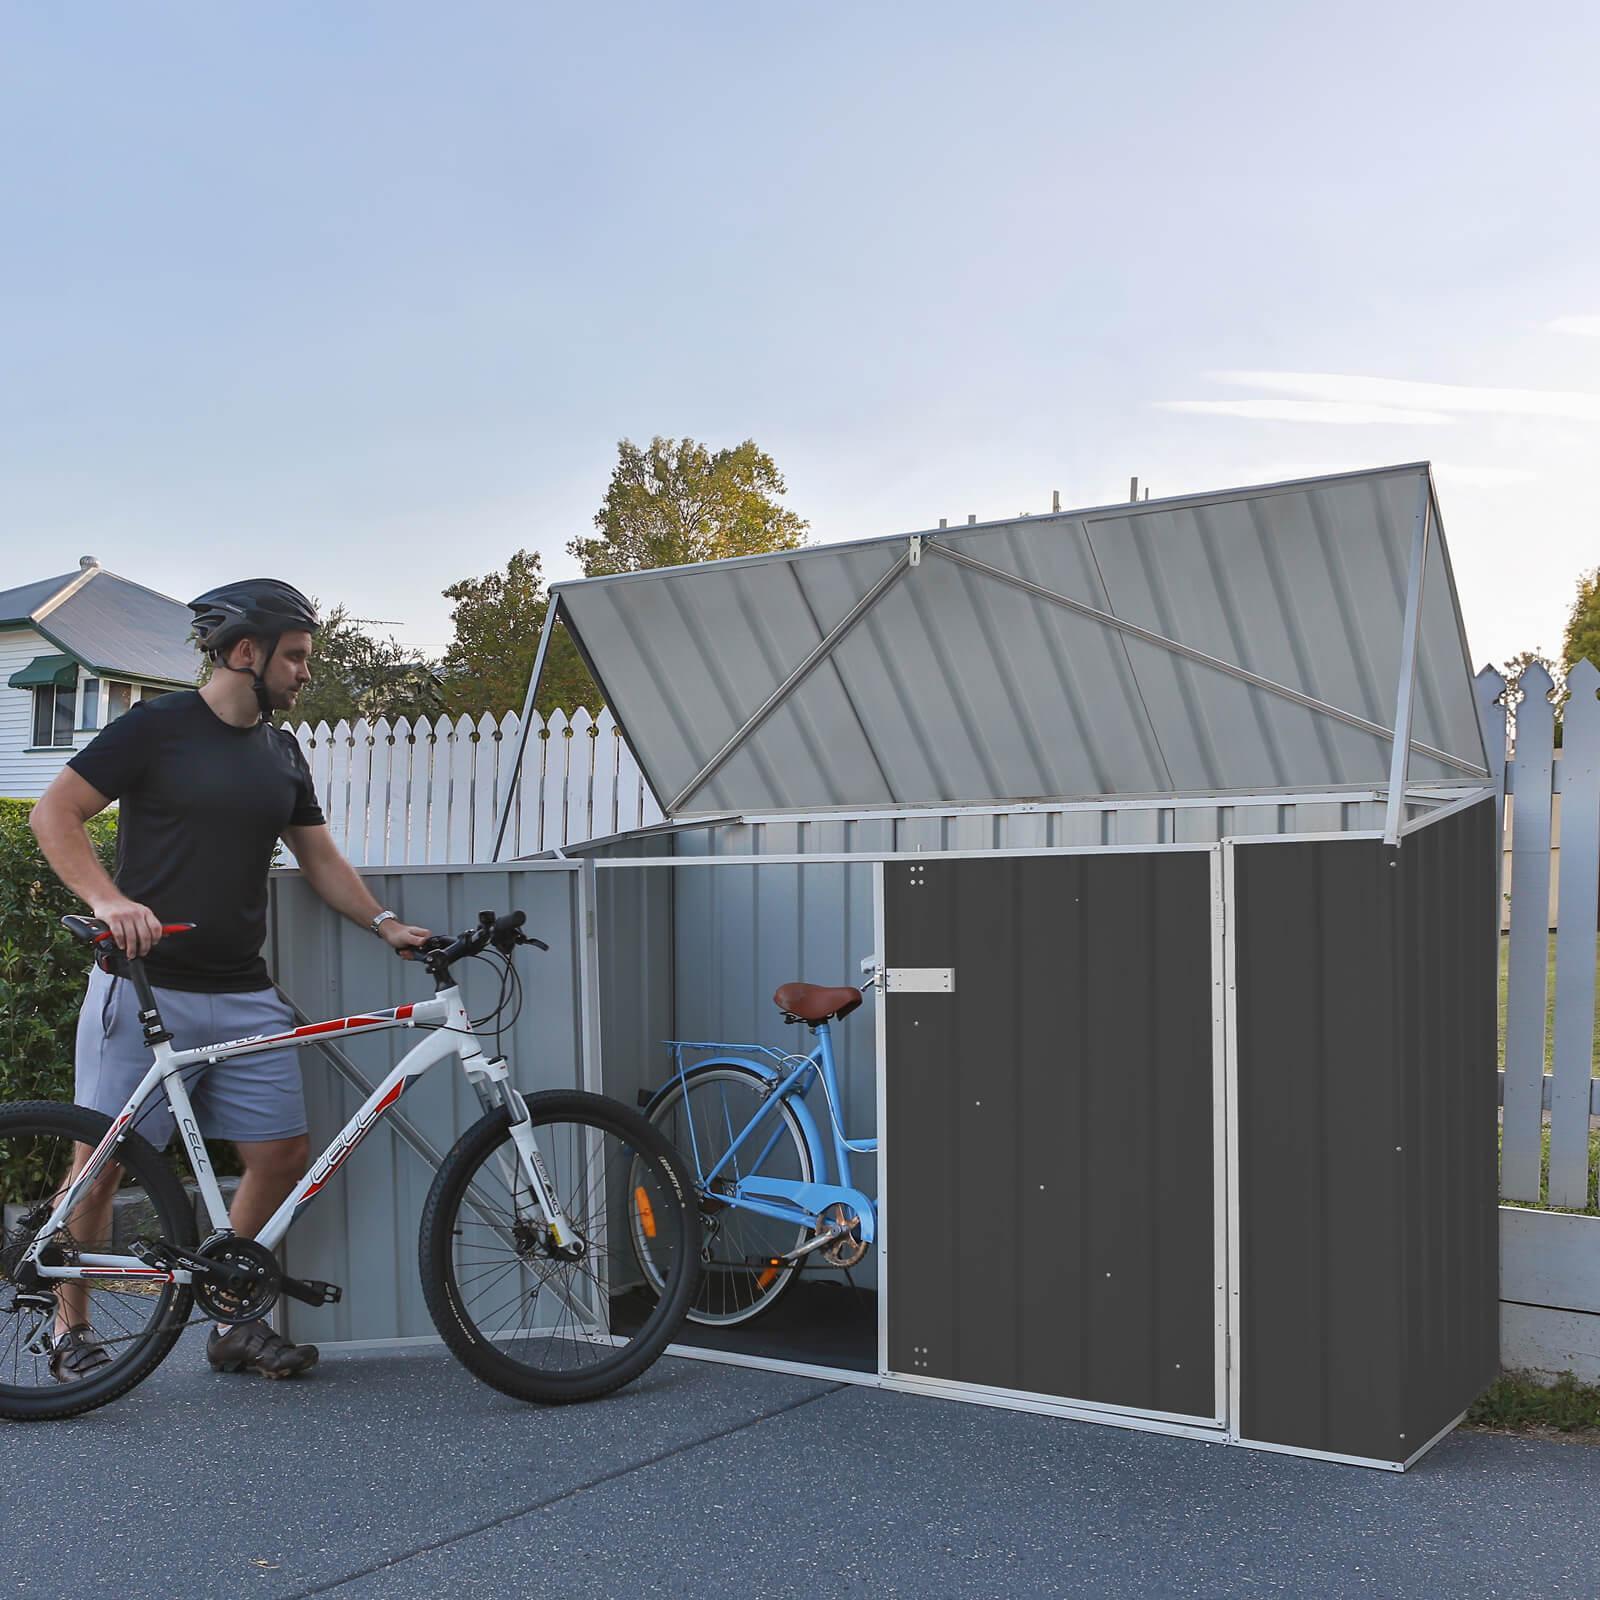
x: 57, y: 820
x: 340, y: 885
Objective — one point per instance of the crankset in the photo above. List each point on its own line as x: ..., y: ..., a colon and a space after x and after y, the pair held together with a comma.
x: 247, y: 1285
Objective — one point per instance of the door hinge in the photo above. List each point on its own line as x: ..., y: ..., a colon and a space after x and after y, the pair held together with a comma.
x: 919, y: 980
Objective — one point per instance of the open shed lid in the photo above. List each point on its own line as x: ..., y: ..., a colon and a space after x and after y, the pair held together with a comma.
x: 1254, y: 639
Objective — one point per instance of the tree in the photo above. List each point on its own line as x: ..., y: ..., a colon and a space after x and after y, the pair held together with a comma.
x: 677, y: 502
x: 498, y: 619
x: 356, y: 674
x: 1582, y: 637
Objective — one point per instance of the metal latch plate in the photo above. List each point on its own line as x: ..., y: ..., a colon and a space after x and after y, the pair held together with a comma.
x: 920, y: 980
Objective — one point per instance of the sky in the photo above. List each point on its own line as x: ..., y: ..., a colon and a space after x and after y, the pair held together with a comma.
x: 364, y: 295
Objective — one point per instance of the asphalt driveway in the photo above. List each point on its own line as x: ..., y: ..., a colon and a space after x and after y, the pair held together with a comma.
x: 383, y: 1477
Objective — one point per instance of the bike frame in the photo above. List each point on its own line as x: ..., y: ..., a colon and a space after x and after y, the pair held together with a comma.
x: 450, y: 1034
x: 790, y: 1081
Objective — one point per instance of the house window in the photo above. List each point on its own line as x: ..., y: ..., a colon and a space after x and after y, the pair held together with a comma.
x: 119, y: 696
x: 52, y: 716
x: 91, y: 703
x: 150, y: 693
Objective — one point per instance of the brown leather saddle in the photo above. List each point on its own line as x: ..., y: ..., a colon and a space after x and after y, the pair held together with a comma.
x: 810, y: 1002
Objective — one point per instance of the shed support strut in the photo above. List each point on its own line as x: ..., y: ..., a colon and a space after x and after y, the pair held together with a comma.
x: 818, y: 654
x: 1395, y: 813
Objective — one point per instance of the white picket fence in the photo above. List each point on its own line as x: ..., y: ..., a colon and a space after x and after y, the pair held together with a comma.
x: 1540, y: 788
x: 1549, y: 1261
x: 406, y: 794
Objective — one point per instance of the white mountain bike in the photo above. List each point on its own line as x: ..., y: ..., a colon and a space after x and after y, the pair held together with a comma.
x: 529, y: 1235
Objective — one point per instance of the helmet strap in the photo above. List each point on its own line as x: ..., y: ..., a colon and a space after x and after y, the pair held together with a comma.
x: 257, y: 681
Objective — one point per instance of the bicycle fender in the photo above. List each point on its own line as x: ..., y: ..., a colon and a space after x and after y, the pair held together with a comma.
x: 820, y: 1158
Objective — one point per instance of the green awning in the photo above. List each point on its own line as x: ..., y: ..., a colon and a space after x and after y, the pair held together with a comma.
x: 59, y: 670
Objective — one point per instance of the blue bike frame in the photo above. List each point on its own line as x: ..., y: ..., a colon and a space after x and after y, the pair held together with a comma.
x: 790, y: 1079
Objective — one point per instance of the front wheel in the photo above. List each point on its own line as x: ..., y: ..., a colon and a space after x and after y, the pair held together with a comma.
x: 531, y: 1318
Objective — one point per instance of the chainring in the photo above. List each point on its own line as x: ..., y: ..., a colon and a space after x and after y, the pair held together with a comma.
x: 849, y: 1247
x: 226, y: 1302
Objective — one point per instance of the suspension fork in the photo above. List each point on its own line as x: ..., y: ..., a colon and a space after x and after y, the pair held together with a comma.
x: 491, y: 1081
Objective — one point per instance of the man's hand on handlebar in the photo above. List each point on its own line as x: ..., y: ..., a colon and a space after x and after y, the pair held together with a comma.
x: 402, y: 937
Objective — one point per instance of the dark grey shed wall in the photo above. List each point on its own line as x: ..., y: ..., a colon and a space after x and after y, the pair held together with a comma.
x: 1368, y: 1269
x: 1050, y: 1221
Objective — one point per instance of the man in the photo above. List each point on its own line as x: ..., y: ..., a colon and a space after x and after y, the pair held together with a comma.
x: 207, y: 787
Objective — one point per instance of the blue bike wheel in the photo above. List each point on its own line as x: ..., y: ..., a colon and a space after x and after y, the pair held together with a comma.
x: 740, y: 1250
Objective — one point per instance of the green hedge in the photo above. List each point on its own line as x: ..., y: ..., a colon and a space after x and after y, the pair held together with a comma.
x: 42, y: 967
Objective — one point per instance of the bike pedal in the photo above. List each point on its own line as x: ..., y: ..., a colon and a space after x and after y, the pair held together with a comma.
x: 313, y: 1291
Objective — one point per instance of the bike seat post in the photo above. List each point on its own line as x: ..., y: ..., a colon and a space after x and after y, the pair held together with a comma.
x: 149, y: 1013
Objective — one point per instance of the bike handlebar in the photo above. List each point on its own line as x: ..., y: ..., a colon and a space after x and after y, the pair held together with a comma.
x: 504, y: 932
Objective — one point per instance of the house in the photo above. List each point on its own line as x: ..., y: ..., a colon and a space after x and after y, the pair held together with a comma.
x: 75, y: 653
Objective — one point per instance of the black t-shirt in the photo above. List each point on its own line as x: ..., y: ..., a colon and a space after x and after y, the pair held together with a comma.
x: 203, y: 804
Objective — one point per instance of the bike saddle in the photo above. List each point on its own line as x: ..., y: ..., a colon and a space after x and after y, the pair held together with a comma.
x: 809, y: 1002
x: 92, y: 931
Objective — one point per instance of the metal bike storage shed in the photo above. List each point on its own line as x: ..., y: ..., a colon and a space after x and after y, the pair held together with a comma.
x: 1186, y: 805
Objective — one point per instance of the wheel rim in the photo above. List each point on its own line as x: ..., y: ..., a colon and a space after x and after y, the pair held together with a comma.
x: 738, y: 1280
x: 540, y: 1310
x: 124, y: 1316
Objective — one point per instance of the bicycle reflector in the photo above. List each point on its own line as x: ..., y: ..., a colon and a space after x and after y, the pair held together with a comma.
x: 646, y: 1211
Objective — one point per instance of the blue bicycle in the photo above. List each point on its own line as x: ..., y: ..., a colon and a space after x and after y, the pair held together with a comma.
x: 760, y: 1162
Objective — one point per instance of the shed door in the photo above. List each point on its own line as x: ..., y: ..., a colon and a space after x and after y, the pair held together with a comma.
x: 1050, y: 1219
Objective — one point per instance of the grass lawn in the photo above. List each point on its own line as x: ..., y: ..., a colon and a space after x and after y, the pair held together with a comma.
x: 1549, y: 1005
x: 1593, y: 1208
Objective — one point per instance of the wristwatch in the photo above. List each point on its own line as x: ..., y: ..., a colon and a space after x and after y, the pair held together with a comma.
x: 378, y: 921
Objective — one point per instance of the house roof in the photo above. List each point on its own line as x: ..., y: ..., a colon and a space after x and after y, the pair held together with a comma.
x: 108, y: 624
x: 1250, y: 639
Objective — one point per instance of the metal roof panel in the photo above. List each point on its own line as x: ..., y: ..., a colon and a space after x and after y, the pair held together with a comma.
x: 1044, y: 657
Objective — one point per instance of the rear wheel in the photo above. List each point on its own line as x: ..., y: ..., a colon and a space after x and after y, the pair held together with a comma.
x: 135, y: 1319
x: 534, y: 1317
x: 702, y: 1115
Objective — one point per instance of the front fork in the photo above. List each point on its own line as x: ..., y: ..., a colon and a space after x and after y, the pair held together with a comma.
x: 491, y: 1080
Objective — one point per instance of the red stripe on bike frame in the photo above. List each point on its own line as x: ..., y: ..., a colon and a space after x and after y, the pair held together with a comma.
x: 339, y: 1025
x: 360, y: 1134
x: 111, y: 1135
x: 336, y: 1026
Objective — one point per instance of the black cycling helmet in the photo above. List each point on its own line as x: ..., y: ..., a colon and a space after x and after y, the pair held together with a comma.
x: 257, y: 608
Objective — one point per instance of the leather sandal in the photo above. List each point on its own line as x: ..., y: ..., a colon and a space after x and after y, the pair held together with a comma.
x: 77, y: 1354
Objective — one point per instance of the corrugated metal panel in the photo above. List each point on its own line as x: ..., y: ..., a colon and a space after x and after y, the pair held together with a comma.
x: 959, y: 685
x: 638, y: 960
x: 1366, y: 1100
x: 361, y: 1232
x: 1050, y: 1219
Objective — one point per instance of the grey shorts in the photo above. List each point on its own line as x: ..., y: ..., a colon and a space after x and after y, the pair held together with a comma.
x: 249, y: 1099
